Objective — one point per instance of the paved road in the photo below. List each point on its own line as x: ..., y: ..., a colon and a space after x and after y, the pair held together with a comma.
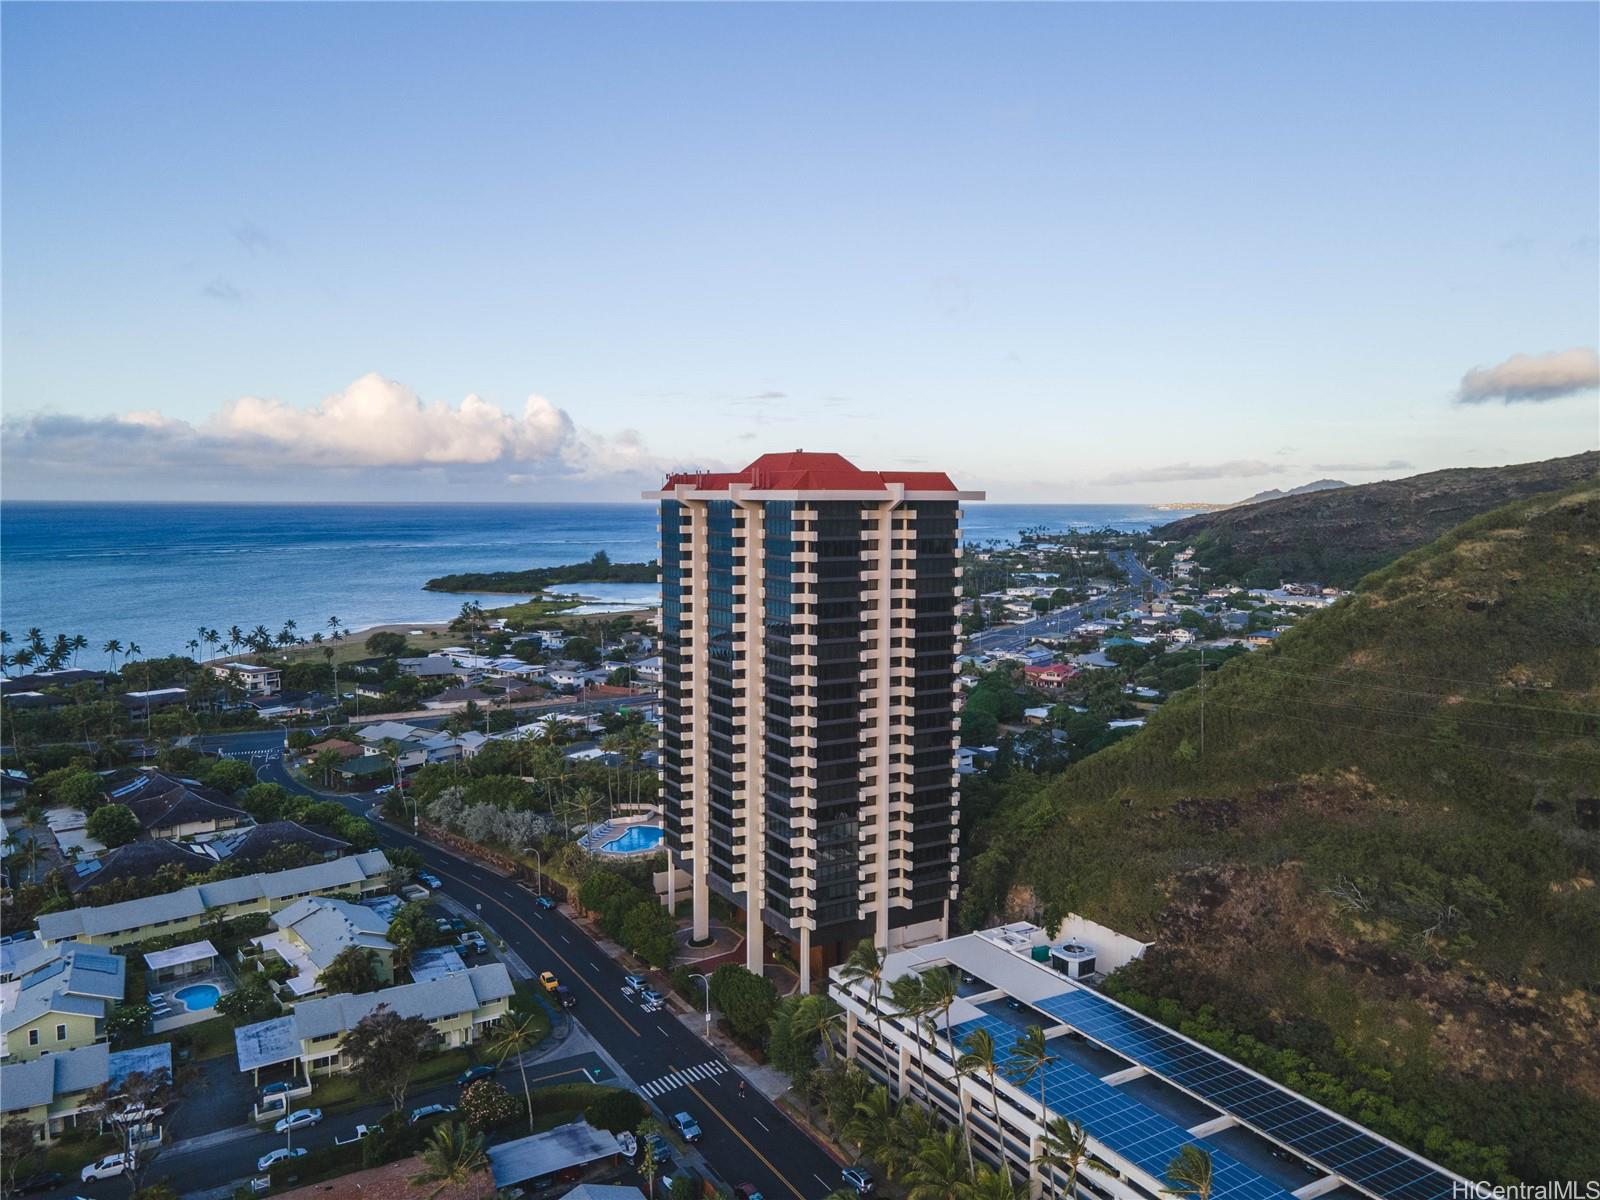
x: 1015, y: 637
x: 747, y: 1138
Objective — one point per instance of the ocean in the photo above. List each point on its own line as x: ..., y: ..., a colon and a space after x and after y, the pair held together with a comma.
x: 153, y: 573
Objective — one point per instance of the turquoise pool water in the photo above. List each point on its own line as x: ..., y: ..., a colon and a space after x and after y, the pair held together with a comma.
x: 198, y: 996
x: 634, y: 840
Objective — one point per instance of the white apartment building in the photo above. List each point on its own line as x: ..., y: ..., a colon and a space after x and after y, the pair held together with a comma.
x: 1141, y: 1090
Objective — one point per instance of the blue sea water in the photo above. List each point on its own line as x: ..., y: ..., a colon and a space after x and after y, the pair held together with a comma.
x: 154, y: 573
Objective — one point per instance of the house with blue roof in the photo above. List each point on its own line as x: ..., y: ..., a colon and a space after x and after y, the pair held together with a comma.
x: 60, y: 1001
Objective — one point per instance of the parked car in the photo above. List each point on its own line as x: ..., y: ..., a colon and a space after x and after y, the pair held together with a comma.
x: 272, y: 1089
x: 545, y: 902
x: 42, y: 1181
x: 432, y: 880
x: 650, y: 996
x: 661, y: 1147
x: 429, y: 1111
x: 282, y: 1154
x: 473, y: 1074
x: 636, y: 982
x: 688, y: 1128
x: 857, y: 1180
x: 548, y: 981
x: 108, y: 1167
x: 746, y: 1191
x: 359, y: 1133
x: 457, y: 925
x: 300, y: 1118
x: 565, y: 997
x: 384, y: 790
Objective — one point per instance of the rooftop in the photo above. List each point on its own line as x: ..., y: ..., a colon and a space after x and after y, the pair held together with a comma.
x: 809, y: 471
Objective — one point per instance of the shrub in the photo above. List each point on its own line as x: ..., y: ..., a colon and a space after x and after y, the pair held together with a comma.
x: 487, y: 1104
x: 747, y: 1000
x: 617, y: 1110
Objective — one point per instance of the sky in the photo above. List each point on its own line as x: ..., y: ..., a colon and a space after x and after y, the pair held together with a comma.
x: 526, y: 252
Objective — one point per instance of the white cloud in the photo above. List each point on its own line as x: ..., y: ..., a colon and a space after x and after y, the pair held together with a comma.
x: 375, y: 425
x: 376, y: 422
x: 1532, y: 378
x: 1181, y: 472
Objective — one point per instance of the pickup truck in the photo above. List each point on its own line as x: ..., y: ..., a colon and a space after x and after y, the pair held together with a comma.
x: 355, y: 1135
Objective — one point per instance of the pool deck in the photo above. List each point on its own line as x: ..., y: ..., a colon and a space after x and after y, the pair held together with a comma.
x: 180, y: 1014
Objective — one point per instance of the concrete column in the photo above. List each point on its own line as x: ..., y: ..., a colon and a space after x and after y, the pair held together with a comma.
x: 882, y: 726
x: 805, y: 959
x: 700, y: 865
x: 754, y: 734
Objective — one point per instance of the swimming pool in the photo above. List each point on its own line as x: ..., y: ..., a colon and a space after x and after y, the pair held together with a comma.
x: 635, y: 840
x: 198, y: 997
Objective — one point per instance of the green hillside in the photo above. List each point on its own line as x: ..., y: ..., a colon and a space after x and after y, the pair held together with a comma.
x: 1374, y: 871
x: 1337, y: 535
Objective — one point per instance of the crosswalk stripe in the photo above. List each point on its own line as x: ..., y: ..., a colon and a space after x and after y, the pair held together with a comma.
x: 682, y: 1078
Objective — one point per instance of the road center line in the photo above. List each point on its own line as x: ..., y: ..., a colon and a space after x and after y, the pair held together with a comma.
x: 765, y: 1161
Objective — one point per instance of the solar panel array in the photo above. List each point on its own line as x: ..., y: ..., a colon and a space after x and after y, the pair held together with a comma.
x: 1340, y: 1146
x: 1133, y: 1130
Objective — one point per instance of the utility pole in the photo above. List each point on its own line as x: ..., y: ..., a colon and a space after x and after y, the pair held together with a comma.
x: 1202, y: 702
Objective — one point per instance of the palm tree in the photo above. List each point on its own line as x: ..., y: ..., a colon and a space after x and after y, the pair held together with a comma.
x: 333, y: 627
x: 1064, y: 1147
x: 992, y: 1184
x: 516, y: 1035
x: 865, y: 965
x: 451, y: 1158
x: 938, y: 1173
x: 819, y: 1015
x: 911, y: 999
x: 113, y: 647
x: 1190, y: 1173
x: 871, y: 1128
x: 327, y: 653
x: 79, y: 642
x: 36, y: 642
x: 235, y: 637
x: 1028, y: 1059
x: 980, y: 1056
x: 212, y: 637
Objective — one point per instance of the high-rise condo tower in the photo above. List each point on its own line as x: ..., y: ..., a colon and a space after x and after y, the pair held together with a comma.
x: 809, y: 641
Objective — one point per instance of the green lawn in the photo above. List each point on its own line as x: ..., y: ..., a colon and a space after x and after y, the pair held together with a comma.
x: 70, y: 1157
x: 338, y: 1093
x: 206, y: 1039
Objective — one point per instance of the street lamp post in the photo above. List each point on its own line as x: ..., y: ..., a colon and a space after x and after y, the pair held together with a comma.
x: 538, y: 868
x: 706, y: 983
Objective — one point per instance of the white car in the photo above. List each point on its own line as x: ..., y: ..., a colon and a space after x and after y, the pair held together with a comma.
x: 282, y: 1154
x: 108, y: 1167
x: 300, y: 1118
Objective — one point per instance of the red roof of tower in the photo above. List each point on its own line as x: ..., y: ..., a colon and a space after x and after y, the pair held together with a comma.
x: 806, y: 471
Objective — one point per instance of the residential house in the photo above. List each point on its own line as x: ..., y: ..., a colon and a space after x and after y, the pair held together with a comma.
x: 337, y: 746
x: 648, y: 670
x: 250, y: 847
x: 462, y: 1007
x: 69, y: 827
x: 136, y: 860
x: 249, y: 678
x: 435, y: 666
x: 60, y: 1003
x: 1258, y: 638
x: 169, y: 807
x: 311, y: 933
x: 458, y: 697
x: 387, y: 731
x: 155, y: 699
x: 1050, y: 676
x: 134, y: 921
x: 1180, y: 636
x: 52, y: 1093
